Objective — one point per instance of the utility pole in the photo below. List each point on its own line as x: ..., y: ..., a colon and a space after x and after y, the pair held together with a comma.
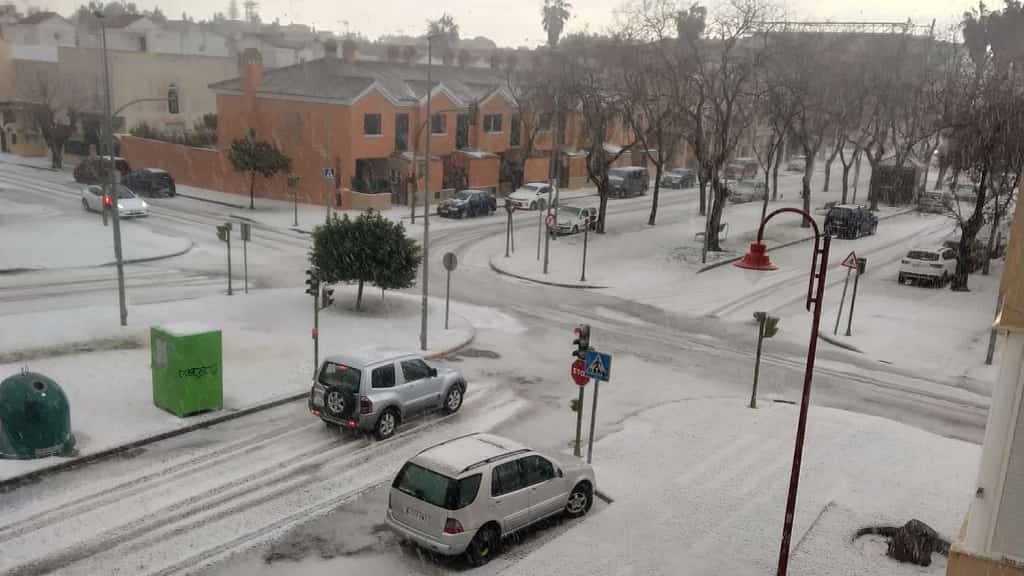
x: 553, y: 173
x: 112, y: 191
x: 426, y: 203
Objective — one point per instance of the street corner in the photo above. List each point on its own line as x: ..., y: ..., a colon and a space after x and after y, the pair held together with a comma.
x: 524, y: 268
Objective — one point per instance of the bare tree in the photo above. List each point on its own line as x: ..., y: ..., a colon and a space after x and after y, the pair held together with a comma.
x: 590, y: 90
x: 725, y: 59
x: 532, y: 93
x: 55, y: 105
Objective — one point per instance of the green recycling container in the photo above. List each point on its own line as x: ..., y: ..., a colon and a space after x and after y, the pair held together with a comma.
x: 188, y: 375
x: 35, y: 418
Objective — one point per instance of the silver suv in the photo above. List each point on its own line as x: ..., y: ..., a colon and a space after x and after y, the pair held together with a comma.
x: 374, y: 391
x: 464, y: 495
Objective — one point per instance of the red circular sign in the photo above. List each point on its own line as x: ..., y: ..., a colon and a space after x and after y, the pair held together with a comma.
x: 579, y: 375
x: 549, y: 220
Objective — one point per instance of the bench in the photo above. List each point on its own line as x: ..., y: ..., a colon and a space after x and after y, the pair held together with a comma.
x: 723, y: 232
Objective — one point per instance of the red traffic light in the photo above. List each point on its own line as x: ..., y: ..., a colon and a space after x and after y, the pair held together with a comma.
x: 106, y: 200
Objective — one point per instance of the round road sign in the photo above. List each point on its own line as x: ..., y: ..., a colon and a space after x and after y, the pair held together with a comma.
x: 450, y: 261
x: 549, y: 220
x: 579, y: 373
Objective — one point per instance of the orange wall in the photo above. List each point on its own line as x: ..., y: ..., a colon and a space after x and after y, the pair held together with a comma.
x: 536, y: 170
x: 495, y: 142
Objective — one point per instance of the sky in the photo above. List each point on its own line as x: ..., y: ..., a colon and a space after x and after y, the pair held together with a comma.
x: 513, y: 22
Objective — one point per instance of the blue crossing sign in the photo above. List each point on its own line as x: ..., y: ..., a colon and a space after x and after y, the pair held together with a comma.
x: 328, y: 173
x: 598, y: 366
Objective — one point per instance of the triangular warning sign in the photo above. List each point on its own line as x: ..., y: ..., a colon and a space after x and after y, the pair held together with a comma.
x: 851, y: 260
x: 597, y: 368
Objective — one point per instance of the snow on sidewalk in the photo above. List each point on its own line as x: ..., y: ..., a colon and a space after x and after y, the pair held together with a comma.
x: 266, y: 346
x: 700, y: 488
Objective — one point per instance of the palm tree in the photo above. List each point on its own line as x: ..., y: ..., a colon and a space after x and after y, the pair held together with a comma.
x: 553, y: 17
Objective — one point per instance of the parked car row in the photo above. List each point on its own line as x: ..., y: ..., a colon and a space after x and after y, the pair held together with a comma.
x: 461, y: 496
x: 146, y: 181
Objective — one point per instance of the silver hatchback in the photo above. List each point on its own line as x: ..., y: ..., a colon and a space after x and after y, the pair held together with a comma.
x: 376, y: 390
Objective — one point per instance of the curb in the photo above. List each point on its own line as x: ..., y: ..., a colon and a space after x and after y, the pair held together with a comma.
x: 732, y: 259
x: 544, y: 282
x: 839, y: 343
x: 211, y: 201
x: 190, y: 246
x: 14, y: 482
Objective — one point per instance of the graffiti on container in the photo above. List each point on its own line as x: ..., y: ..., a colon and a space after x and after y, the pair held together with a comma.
x: 198, y: 371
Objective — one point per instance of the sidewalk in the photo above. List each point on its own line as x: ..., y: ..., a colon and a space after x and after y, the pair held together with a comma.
x: 715, y: 475
x: 267, y: 353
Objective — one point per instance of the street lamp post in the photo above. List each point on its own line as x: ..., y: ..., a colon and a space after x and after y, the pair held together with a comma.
x: 426, y: 204
x: 757, y: 259
x: 112, y: 190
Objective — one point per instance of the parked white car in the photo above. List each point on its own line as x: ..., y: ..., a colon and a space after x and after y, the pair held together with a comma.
x: 128, y: 204
x: 572, y: 219
x: 934, y: 266
x: 466, y: 494
x: 532, y: 196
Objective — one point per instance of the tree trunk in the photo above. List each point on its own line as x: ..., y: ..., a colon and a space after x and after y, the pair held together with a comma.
x: 359, y: 296
x: 654, y: 199
x: 856, y: 172
x: 775, y: 173
x: 968, y: 231
x: 602, y: 210
x: 56, y: 159
x: 873, y: 182
x: 717, y: 204
x: 943, y: 166
x: 996, y: 216
x: 764, y: 202
x: 846, y: 180
x: 828, y: 167
x: 806, y: 192
x: 252, y: 190
x: 703, y: 193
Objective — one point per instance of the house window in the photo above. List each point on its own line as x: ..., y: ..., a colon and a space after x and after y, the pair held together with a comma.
x: 438, y: 124
x: 514, y: 128
x: 371, y: 124
x: 401, y: 132
x: 492, y: 122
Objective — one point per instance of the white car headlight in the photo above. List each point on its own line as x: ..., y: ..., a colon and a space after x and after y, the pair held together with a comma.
x: 120, y: 206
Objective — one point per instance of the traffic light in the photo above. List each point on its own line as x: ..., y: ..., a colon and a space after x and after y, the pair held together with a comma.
x: 312, y: 282
x: 172, y: 99
x: 771, y: 323
x: 326, y: 297
x: 574, y: 405
x: 582, y: 341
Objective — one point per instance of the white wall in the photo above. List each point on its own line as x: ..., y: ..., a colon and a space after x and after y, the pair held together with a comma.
x: 37, y: 53
x: 52, y: 32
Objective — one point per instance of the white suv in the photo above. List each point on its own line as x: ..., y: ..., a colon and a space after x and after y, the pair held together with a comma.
x: 466, y: 494
x: 932, y: 265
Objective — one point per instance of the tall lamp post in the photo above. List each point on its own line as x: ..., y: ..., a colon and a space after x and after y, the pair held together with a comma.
x: 112, y: 190
x: 757, y: 259
x: 426, y: 201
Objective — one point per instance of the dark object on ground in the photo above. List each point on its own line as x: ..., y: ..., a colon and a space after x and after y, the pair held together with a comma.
x: 913, y: 542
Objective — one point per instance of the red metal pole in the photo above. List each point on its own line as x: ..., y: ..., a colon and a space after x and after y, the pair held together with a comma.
x: 812, y: 349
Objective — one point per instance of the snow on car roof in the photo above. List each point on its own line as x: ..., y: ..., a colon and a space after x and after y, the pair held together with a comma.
x: 452, y: 457
x: 366, y: 356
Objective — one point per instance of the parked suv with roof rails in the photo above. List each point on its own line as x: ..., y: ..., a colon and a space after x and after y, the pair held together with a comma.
x: 465, y: 494
x: 374, y: 391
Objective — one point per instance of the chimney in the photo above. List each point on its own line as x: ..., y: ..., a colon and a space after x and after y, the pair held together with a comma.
x: 330, y: 48
x: 250, y: 67
x: 348, y: 49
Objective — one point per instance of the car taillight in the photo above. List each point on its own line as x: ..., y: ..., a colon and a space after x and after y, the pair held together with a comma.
x: 365, y: 405
x: 452, y: 526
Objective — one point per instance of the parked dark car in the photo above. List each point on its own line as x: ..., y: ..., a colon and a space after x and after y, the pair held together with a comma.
x: 93, y: 169
x: 628, y: 181
x: 679, y: 178
x: 850, y: 221
x: 151, y: 182
x: 741, y: 169
x: 465, y: 203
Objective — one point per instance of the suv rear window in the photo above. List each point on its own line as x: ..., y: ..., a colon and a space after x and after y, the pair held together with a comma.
x: 437, y: 489
x: 340, y: 376
x: 922, y: 255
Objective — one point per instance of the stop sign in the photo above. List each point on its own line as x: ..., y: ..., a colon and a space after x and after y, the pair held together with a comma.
x: 579, y: 374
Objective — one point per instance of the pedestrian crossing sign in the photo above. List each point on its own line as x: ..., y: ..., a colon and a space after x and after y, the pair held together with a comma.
x: 598, y: 365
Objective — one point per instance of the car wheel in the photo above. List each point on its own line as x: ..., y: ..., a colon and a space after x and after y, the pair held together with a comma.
x: 575, y: 229
x: 386, y: 424
x: 483, y: 546
x: 85, y: 205
x: 944, y: 280
x: 902, y: 279
x: 580, y: 500
x: 453, y: 400
x: 533, y: 205
x: 335, y: 403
